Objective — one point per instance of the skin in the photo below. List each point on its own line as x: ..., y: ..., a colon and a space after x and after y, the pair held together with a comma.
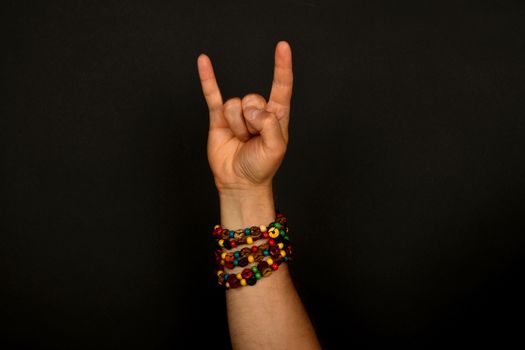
x: 247, y: 141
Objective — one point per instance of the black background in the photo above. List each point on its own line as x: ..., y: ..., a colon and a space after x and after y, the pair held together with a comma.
x: 404, y: 181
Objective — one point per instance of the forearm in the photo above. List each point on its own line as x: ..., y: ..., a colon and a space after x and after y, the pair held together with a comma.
x: 270, y: 314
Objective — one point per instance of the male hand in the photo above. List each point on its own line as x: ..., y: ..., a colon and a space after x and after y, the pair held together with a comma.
x: 247, y: 138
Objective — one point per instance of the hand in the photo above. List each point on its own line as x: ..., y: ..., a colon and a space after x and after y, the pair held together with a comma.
x: 247, y: 138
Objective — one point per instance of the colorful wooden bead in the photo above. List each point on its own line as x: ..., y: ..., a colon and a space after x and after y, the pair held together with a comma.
x: 273, y: 232
x: 274, y: 251
x: 247, y: 273
x: 243, y: 262
x: 264, y: 268
x: 249, y: 240
x: 252, y: 280
x: 233, y: 281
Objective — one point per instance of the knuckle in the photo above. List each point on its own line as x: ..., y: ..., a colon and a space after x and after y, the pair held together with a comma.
x: 232, y: 102
x: 232, y: 105
x: 253, y: 98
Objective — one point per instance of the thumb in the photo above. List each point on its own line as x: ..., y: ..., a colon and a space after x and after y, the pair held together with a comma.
x: 267, y: 125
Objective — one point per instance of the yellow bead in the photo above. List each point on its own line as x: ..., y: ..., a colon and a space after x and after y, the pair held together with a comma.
x: 269, y: 261
x: 227, y: 284
x: 249, y: 240
x: 280, y: 245
x: 220, y: 273
x: 263, y: 228
x: 223, y: 255
x: 243, y: 282
x: 239, y: 276
x: 222, y: 262
x: 216, y: 226
x: 273, y: 232
x: 283, y: 253
x: 221, y: 242
x: 250, y: 258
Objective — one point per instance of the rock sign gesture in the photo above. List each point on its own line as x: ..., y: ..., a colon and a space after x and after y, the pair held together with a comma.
x: 247, y: 138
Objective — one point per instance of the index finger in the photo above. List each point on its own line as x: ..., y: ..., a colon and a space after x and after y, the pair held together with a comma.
x: 209, y: 84
x: 283, y: 76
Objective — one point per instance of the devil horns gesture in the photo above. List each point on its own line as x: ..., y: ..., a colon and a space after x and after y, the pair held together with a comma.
x: 247, y: 138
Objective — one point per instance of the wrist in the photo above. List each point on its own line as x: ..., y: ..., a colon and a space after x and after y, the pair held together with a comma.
x: 247, y: 207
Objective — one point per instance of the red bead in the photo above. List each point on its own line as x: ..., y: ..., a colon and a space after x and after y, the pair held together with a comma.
x: 265, y: 234
x: 255, y: 249
x: 274, y: 251
x: 229, y: 265
x: 271, y: 242
x: 234, y: 281
x: 275, y: 266
x: 246, y: 273
x: 262, y: 265
x: 233, y: 244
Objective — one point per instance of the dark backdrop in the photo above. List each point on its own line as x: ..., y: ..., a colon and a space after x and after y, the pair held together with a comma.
x: 404, y: 182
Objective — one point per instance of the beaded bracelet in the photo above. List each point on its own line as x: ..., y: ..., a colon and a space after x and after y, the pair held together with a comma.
x: 249, y: 276
x: 232, y: 238
x: 248, y: 255
x: 277, y: 249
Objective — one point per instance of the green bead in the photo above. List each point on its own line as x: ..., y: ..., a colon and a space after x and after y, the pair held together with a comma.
x: 255, y: 269
x: 258, y: 275
x: 282, y: 232
x: 278, y: 225
x: 286, y: 237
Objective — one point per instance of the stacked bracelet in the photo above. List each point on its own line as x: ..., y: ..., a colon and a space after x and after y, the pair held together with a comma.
x: 277, y: 249
x: 249, y: 255
x: 249, y: 276
x: 229, y: 239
